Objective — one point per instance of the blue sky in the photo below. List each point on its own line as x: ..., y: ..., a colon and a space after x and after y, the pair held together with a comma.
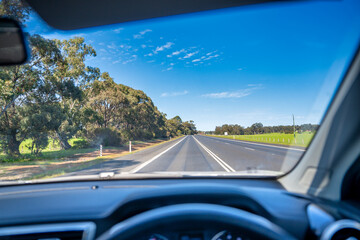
x: 238, y: 66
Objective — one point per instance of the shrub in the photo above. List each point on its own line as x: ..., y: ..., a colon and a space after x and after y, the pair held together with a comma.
x: 105, y: 137
x: 81, y: 143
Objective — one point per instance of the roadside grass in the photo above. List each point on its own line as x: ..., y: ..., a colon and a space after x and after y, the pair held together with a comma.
x: 45, y: 155
x: 301, y: 139
x: 57, y: 172
x: 53, y: 151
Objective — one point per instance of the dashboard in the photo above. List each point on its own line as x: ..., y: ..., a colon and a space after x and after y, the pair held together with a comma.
x: 95, y: 209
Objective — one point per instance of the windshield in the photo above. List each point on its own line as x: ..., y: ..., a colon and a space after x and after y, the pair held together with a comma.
x: 238, y: 91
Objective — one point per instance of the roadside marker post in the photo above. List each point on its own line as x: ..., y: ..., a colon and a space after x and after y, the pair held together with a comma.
x: 129, y: 146
x: 100, y: 150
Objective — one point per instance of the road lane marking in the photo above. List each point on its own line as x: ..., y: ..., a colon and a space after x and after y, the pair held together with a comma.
x: 249, y: 148
x: 216, y: 158
x: 239, y: 141
x: 154, y: 158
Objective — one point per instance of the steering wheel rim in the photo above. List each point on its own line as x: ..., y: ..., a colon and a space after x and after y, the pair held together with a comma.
x: 232, y: 217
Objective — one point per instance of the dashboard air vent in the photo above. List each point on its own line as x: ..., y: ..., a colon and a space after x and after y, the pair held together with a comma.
x: 59, y: 231
x: 342, y: 230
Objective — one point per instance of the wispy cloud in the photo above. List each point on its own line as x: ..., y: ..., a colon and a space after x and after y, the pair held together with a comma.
x: 163, y: 47
x: 174, y: 94
x: 168, y: 69
x: 118, y: 30
x: 129, y: 60
x: 235, y: 94
x: 141, y: 34
x: 189, y: 55
x: 111, y: 46
x: 176, y: 53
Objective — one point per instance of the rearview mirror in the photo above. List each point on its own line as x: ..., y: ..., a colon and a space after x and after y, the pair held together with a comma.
x: 12, y: 43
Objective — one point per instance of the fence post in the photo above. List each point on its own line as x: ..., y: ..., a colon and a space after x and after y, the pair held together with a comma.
x: 129, y: 146
x: 100, y: 150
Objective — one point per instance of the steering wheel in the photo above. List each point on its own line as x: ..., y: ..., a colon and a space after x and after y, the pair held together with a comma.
x: 199, y: 213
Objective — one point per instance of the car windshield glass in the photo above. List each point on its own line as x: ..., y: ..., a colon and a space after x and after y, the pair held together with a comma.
x: 238, y: 91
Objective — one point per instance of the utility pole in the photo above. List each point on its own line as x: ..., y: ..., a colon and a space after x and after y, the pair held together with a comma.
x: 294, y: 124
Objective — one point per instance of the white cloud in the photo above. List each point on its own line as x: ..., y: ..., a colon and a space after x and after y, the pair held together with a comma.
x: 141, y: 34
x: 148, y: 55
x: 236, y: 94
x: 174, y: 94
x: 168, y: 69
x: 189, y: 55
x: 212, y: 56
x: 143, y: 45
x: 209, y: 53
x: 176, y: 52
x: 118, y: 30
x: 163, y: 47
x: 196, y: 60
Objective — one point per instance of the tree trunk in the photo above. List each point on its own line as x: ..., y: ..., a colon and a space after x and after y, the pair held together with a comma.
x: 13, y: 144
x: 63, y: 142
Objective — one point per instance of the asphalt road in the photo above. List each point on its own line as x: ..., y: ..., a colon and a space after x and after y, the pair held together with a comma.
x: 201, y: 154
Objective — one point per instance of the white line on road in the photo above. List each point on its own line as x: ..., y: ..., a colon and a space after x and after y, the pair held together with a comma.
x: 249, y: 148
x: 266, y: 145
x: 216, y: 158
x: 154, y: 158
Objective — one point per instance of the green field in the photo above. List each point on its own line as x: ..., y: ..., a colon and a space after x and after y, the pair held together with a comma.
x: 301, y: 139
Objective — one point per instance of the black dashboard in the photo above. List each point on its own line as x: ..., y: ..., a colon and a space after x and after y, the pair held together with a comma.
x: 100, y: 205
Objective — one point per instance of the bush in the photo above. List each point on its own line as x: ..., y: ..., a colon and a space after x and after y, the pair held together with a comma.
x: 79, y: 144
x: 105, y: 137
